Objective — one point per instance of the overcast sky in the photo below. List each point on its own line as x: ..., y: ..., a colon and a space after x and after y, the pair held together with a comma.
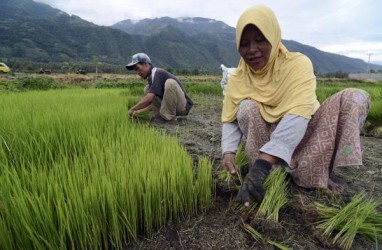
x: 349, y: 27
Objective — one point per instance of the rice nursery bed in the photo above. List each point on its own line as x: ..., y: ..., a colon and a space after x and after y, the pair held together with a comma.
x: 76, y: 173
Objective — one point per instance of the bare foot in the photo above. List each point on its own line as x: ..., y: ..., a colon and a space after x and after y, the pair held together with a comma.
x: 335, y: 187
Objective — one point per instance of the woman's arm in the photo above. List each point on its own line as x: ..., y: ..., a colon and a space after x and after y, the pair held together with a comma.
x: 231, y: 137
x: 284, y: 139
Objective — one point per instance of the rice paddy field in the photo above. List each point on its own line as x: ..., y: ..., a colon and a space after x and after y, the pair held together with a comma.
x: 77, y: 173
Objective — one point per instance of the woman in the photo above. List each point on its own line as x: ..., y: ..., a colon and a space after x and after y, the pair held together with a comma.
x: 271, y: 103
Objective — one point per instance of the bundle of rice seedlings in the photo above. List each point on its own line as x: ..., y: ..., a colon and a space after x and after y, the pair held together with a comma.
x: 275, y: 197
x: 248, y: 210
x: 227, y: 182
x: 233, y: 182
x: 242, y: 159
x: 357, y: 217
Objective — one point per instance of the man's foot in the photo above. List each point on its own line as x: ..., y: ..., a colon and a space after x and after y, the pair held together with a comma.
x: 160, y: 120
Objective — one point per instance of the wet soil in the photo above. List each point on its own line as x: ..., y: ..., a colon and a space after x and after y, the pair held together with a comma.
x: 220, y: 227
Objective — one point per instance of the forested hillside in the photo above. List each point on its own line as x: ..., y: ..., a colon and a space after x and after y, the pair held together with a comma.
x: 36, y: 33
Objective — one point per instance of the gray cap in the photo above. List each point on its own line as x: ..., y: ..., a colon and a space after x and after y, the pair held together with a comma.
x: 137, y: 58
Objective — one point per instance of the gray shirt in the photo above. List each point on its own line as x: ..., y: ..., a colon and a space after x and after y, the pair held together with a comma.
x: 284, y: 139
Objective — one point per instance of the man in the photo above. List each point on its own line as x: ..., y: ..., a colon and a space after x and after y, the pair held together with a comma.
x: 165, y: 95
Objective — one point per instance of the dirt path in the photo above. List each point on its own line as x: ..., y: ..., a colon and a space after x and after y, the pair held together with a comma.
x: 220, y: 227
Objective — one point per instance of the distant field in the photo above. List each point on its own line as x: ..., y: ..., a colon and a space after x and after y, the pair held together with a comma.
x: 199, y: 84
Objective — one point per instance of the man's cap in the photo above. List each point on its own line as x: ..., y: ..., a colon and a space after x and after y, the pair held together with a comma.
x: 137, y: 58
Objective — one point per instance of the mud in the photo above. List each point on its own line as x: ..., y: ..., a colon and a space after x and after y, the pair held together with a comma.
x: 220, y: 227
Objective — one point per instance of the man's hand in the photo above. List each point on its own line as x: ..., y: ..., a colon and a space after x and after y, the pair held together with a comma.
x: 229, y: 162
x: 132, y: 113
x: 253, y: 182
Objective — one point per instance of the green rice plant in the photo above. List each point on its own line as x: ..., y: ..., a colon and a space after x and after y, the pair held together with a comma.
x: 357, y: 217
x: 325, y: 90
x: 275, y: 197
x: 204, y: 186
x: 248, y: 209
x: 234, y: 181
x: 256, y: 235
x: 208, y: 88
x: 241, y: 158
x: 224, y: 175
x: 278, y: 245
x: 208, y: 85
x: 76, y: 173
x: 377, y: 132
x: 375, y: 113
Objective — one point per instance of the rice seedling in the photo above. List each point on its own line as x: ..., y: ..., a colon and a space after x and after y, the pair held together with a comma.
x: 253, y: 232
x: 234, y: 181
x: 76, y: 173
x: 204, y: 186
x: 242, y: 159
x: 357, y: 217
x: 248, y: 209
x: 256, y: 235
x: 278, y: 245
x: 276, y: 195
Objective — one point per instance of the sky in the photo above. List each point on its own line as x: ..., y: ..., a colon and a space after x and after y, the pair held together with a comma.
x: 348, y: 27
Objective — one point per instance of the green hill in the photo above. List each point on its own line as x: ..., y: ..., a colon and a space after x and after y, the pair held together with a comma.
x: 35, y: 32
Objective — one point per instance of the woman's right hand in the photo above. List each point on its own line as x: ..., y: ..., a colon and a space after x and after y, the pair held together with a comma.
x: 253, y: 184
x: 229, y: 162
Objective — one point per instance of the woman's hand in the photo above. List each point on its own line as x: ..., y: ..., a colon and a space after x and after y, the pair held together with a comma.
x: 229, y: 162
x: 253, y: 182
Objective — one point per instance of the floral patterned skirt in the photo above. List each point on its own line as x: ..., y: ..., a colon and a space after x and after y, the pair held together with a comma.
x: 332, y: 138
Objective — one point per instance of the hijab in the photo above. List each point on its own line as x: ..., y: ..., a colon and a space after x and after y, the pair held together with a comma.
x: 285, y: 85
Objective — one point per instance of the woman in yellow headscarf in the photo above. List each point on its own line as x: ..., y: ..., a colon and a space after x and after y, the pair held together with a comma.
x: 271, y: 103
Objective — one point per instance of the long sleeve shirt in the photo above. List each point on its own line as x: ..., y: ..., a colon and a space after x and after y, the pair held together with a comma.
x: 283, y: 141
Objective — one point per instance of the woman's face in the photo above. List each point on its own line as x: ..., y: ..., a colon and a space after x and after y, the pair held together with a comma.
x: 254, y: 48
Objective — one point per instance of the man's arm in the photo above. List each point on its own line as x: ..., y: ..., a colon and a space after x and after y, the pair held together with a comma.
x: 142, y: 104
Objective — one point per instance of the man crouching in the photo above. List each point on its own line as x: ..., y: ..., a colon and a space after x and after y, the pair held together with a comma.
x: 164, y: 95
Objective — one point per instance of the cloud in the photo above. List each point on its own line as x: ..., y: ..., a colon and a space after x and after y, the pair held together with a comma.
x: 364, y: 50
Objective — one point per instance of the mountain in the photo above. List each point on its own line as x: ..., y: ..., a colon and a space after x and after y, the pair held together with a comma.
x: 192, y: 26
x: 15, y: 9
x: 36, y: 32
x: 216, y: 35
x: 32, y: 31
x: 329, y: 62
x: 185, y: 42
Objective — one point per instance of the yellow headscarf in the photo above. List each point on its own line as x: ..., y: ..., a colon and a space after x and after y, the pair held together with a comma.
x: 286, y: 84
